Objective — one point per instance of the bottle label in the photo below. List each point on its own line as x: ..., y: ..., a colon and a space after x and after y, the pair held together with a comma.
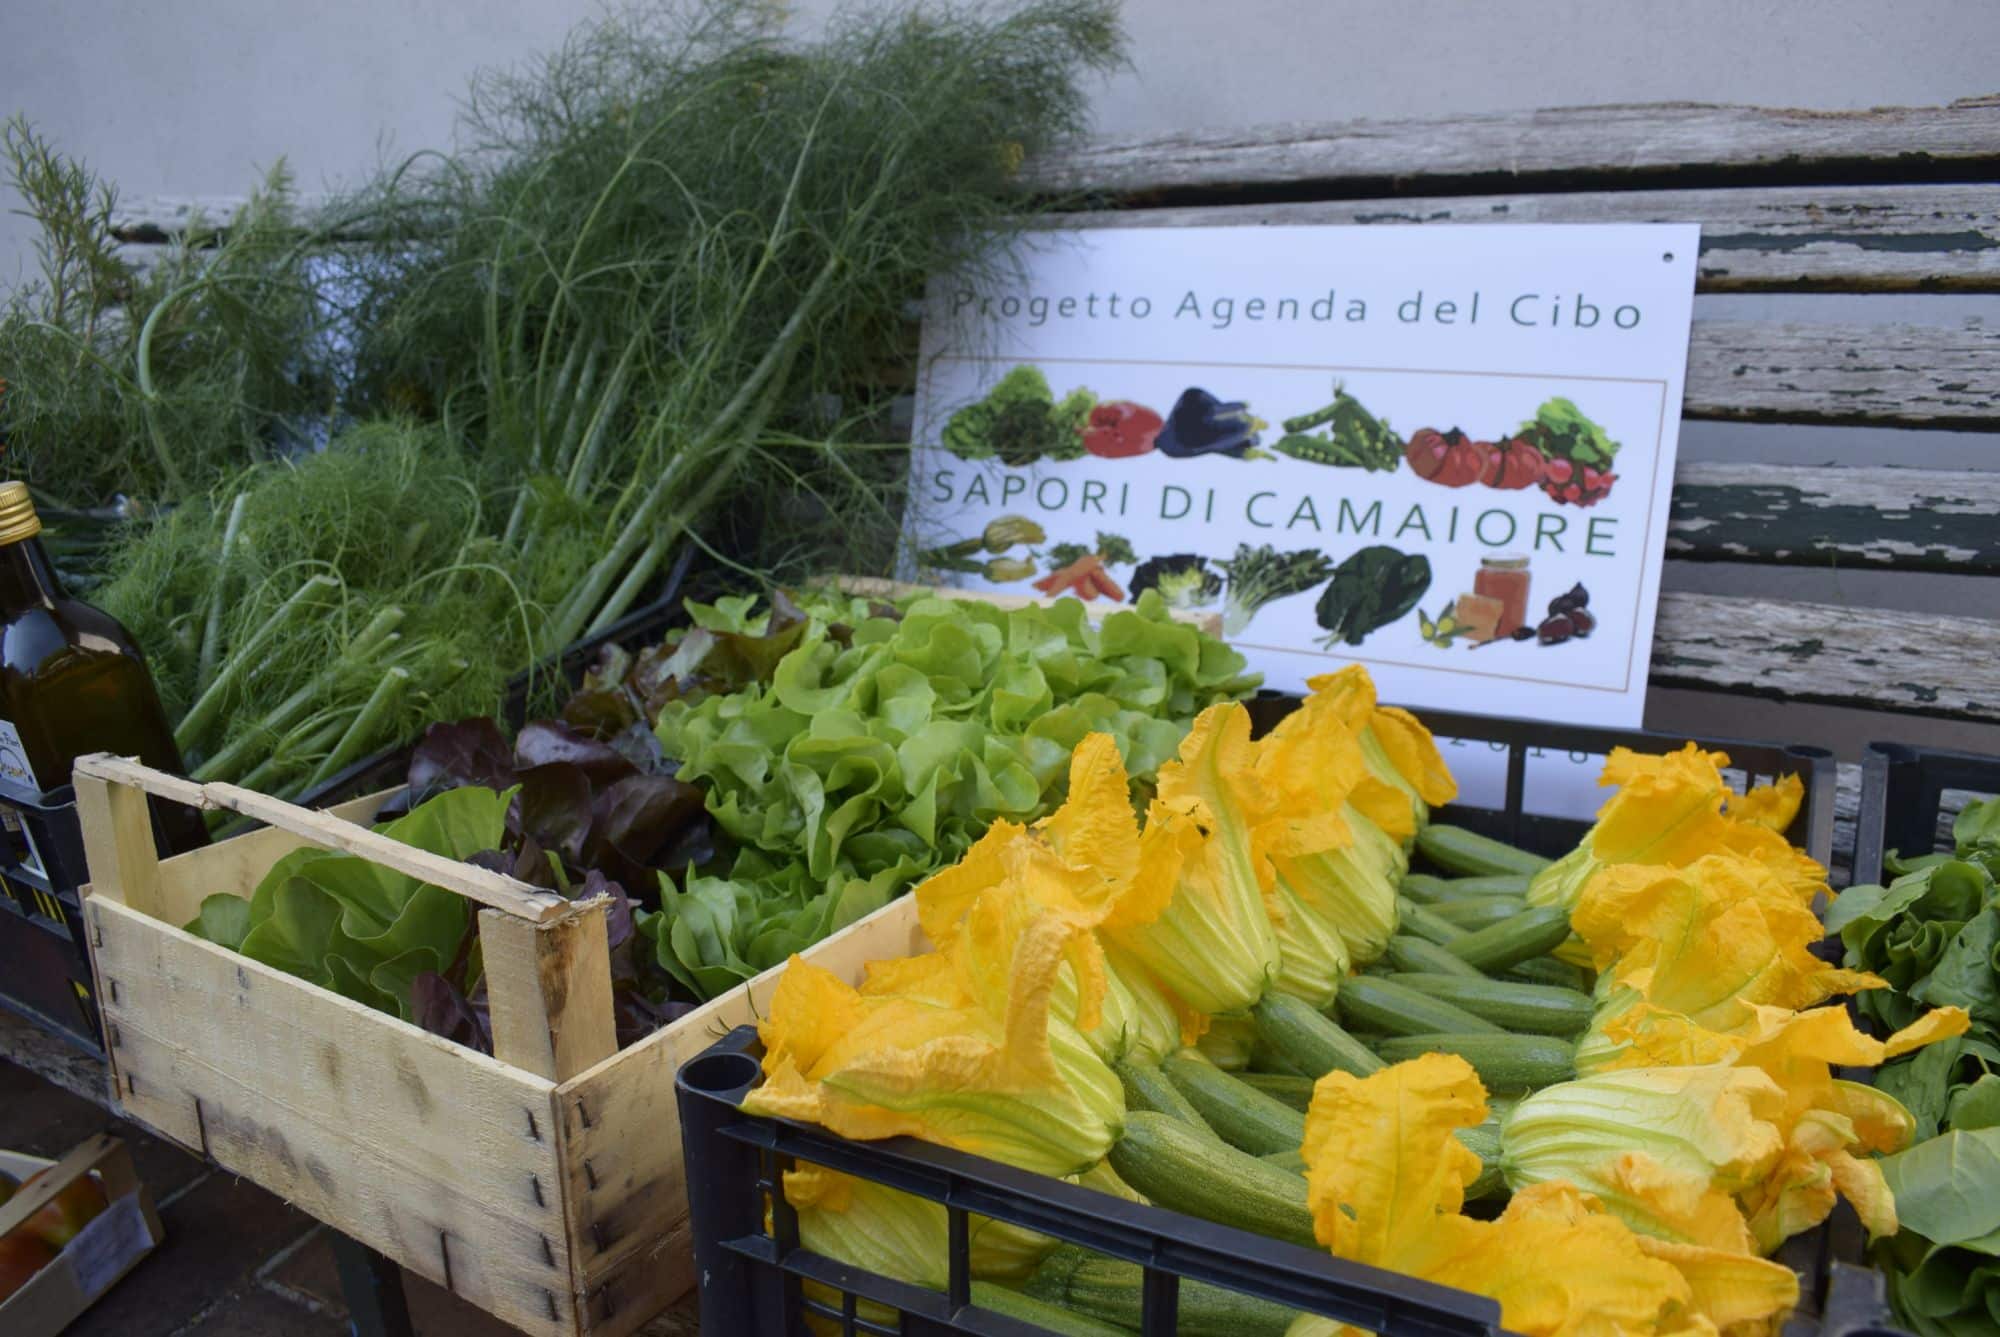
x: 14, y: 767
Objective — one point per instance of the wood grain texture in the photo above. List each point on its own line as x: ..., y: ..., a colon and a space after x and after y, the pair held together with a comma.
x: 1871, y: 658
x: 1585, y: 145
x: 1886, y: 375
x: 549, y: 986
x: 1930, y: 238
x: 439, y: 1157
x: 1823, y: 515
x: 621, y: 1136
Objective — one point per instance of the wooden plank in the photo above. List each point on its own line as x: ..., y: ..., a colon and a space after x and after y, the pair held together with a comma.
x: 1909, y: 375
x: 1929, y: 238
x: 1585, y: 145
x: 238, y: 864
x: 549, y: 986
x: 117, y: 839
x: 439, y: 1157
x: 1823, y: 515
x: 1872, y: 658
x: 621, y: 1138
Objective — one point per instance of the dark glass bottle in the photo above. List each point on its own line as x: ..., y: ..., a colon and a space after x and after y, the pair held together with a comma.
x: 71, y: 680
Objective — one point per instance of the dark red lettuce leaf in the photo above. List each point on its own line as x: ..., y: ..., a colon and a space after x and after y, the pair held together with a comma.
x: 468, y: 752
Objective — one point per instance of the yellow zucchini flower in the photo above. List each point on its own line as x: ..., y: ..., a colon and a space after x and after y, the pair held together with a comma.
x: 1335, y: 843
x: 1707, y: 942
x: 900, y: 1235
x: 1673, y: 809
x: 960, y: 1049
x: 1398, y: 749
x: 1209, y: 939
x: 1386, y: 1178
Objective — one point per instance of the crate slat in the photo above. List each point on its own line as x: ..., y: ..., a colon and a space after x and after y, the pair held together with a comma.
x: 1828, y: 515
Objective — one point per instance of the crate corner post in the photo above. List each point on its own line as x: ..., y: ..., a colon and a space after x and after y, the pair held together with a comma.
x: 549, y: 984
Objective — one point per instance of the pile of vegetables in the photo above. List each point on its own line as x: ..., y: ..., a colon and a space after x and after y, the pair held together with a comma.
x: 659, y: 303
x: 1930, y: 939
x: 1243, y: 1006
x: 760, y: 779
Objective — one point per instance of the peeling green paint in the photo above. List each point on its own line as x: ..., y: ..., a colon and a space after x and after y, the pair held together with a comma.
x: 1784, y: 524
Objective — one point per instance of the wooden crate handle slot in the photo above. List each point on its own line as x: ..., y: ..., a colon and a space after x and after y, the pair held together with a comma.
x: 118, y: 830
x: 549, y: 989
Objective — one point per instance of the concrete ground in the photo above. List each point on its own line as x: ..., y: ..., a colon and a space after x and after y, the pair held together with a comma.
x: 236, y: 1261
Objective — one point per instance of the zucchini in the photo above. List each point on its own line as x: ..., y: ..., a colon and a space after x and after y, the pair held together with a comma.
x: 1395, y: 1009
x: 1186, y: 1171
x: 1427, y: 890
x: 1483, y: 1141
x: 1294, y: 1161
x: 1042, y: 1313
x: 1548, y: 970
x: 1504, y: 1062
x: 1147, y: 1088
x: 1457, y: 850
x: 1536, y: 1009
x: 1240, y: 1115
x: 1294, y: 1091
x: 1420, y: 921
x: 1313, y: 1043
x: 1089, y: 1284
x: 1531, y: 933
x: 1412, y: 954
x: 1478, y: 911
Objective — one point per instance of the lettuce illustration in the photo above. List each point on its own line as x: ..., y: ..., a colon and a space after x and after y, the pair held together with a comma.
x: 1020, y: 422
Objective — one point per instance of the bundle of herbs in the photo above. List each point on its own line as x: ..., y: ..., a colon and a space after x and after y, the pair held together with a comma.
x: 661, y: 300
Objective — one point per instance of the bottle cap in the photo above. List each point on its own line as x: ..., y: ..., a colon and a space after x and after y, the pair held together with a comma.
x: 17, y: 513
x: 1510, y: 561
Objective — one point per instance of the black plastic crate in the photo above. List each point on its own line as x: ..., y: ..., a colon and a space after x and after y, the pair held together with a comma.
x: 751, y: 1274
x: 46, y: 974
x: 1902, y: 800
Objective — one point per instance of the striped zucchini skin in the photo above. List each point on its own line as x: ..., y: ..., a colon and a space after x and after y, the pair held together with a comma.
x: 1147, y: 1088
x: 1313, y: 1043
x: 1457, y: 850
x: 1179, y: 1169
x: 1548, y: 970
x: 1240, y: 1115
x: 1536, y: 1009
x: 1504, y: 1062
x: 1422, y: 921
x: 1113, y: 1291
x: 1478, y: 912
x: 1531, y: 933
x: 1294, y: 1091
x: 1425, y: 889
x: 1370, y: 1004
x: 1412, y: 954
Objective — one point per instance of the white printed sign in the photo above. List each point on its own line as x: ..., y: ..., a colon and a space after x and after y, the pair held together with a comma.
x: 1444, y: 452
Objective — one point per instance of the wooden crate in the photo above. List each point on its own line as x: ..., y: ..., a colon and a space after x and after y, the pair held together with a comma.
x: 104, y: 1251
x: 543, y: 1184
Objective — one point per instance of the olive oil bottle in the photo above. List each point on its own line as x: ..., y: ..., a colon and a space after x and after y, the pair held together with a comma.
x: 71, y: 680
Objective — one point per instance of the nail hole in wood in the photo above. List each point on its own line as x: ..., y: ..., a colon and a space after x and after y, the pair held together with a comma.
x: 582, y: 1114
x: 534, y: 1129
x: 597, y: 1236
x: 201, y: 1127
x: 113, y: 986
x: 590, y: 1175
x: 116, y: 1038
x: 548, y: 1254
x: 444, y: 1251
x: 535, y: 1183
x: 550, y: 1297
x: 131, y: 1085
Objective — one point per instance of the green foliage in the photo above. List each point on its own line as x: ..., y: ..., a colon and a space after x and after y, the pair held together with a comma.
x: 875, y: 756
x: 353, y: 926
x: 1560, y: 430
x: 1260, y: 575
x: 1371, y: 588
x: 1020, y: 421
x: 156, y: 380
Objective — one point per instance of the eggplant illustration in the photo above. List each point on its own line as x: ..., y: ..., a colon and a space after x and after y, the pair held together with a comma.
x: 1201, y: 424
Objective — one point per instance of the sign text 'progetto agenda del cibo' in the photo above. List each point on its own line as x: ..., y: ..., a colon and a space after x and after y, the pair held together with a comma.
x: 1445, y: 452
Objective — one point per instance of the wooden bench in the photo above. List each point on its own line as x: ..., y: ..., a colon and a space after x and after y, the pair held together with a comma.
x: 1897, y: 200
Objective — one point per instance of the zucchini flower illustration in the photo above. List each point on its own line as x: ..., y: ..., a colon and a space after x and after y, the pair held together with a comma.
x: 1399, y: 750
x: 1386, y: 1178
x: 1210, y: 941
x: 1003, y: 533
x: 958, y: 1048
x: 1673, y: 809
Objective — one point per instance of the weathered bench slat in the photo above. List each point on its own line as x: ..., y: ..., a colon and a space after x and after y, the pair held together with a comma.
x: 1907, y: 375
x: 1585, y: 145
x: 1797, y: 238
x: 1865, y: 657
x: 1822, y: 515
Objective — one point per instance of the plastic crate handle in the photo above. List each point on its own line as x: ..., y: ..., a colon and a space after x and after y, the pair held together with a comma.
x: 547, y: 965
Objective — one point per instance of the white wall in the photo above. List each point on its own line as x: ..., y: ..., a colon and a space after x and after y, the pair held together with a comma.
x: 195, y: 98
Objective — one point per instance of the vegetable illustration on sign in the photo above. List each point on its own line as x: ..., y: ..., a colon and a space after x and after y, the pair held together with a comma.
x: 1183, y: 580
x: 996, y: 538
x: 1355, y: 438
x: 1119, y: 429
x: 1370, y: 589
x: 1201, y: 424
x: 1262, y: 575
x: 1559, y: 450
x: 1020, y: 422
